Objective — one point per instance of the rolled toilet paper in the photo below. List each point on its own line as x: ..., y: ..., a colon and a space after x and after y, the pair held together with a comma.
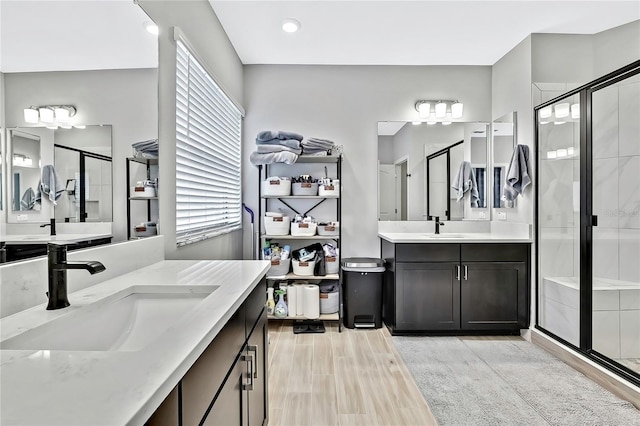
x: 292, y: 300
x: 311, y: 295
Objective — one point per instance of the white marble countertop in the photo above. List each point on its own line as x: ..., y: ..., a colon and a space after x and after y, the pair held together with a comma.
x: 45, y: 238
x: 50, y: 387
x: 467, y: 237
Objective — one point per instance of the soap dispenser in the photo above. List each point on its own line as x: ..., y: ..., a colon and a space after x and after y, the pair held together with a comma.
x: 271, y: 304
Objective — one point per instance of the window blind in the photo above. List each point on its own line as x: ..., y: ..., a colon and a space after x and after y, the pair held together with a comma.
x: 208, y: 141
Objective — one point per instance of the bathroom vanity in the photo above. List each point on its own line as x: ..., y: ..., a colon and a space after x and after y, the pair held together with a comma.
x: 202, y: 354
x: 455, y: 284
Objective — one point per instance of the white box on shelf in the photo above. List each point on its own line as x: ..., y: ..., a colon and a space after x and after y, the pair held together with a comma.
x: 305, y: 188
x: 303, y: 268
x: 303, y: 229
x: 332, y: 266
x: 332, y: 190
x: 277, y: 225
x: 143, y: 192
x: 329, y: 230
x: 276, y: 186
x: 279, y: 268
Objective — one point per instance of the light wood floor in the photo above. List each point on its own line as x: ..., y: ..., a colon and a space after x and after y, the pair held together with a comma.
x: 351, y: 378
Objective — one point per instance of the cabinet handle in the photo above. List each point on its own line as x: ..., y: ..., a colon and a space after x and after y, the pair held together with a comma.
x: 466, y: 272
x: 254, y: 349
x: 457, y: 272
x: 248, y: 359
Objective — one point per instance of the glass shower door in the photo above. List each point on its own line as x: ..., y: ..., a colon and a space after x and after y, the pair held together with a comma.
x: 616, y: 224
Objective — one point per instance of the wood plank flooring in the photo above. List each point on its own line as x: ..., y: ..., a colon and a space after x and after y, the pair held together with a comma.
x: 351, y: 378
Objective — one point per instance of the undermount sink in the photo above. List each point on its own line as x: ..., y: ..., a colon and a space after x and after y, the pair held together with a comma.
x: 126, y: 321
x: 445, y: 236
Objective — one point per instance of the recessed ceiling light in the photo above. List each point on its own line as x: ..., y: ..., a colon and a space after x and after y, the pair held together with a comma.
x: 151, y: 27
x: 290, y: 25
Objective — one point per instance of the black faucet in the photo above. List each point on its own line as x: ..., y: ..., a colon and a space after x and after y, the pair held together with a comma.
x: 438, y: 224
x: 52, y: 224
x: 58, y: 265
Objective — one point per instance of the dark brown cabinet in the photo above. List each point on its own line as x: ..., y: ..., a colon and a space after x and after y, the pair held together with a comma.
x: 456, y: 288
x: 227, y: 385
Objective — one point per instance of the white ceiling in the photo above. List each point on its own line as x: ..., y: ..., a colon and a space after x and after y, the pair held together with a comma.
x: 74, y: 35
x: 415, y: 32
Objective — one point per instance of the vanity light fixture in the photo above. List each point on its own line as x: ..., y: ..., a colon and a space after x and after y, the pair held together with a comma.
x: 562, y: 110
x: 442, y: 111
x: 290, y: 25
x: 545, y: 112
x: 51, y: 115
x: 416, y: 123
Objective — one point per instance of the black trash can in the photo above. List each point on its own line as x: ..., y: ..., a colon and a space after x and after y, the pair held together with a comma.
x: 362, y: 279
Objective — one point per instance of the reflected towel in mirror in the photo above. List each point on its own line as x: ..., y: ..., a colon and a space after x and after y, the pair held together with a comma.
x: 517, y: 178
x: 50, y: 185
x: 464, y: 181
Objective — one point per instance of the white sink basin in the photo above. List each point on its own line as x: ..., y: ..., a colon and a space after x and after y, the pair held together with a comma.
x: 445, y: 236
x: 126, y: 321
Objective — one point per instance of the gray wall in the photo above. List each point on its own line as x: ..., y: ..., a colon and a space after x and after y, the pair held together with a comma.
x: 616, y: 48
x: 344, y: 104
x: 125, y: 99
x: 205, y: 34
x: 385, y: 149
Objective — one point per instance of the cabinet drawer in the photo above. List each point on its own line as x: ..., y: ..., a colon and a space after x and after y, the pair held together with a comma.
x: 202, y: 381
x: 254, y: 305
x: 428, y: 252
x: 495, y: 252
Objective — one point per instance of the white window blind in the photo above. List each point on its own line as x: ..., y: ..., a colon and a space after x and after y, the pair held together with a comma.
x: 208, y: 141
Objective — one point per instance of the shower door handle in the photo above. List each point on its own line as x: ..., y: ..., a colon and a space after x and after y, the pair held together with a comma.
x: 594, y: 220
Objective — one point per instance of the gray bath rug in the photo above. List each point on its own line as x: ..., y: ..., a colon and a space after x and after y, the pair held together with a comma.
x: 506, y: 382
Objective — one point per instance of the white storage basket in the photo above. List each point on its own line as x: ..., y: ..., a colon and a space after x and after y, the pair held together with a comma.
x: 329, y: 230
x: 332, y: 265
x: 277, y: 225
x: 279, y: 268
x: 303, y: 229
x: 332, y: 190
x: 303, y: 268
x: 305, y: 188
x: 276, y: 186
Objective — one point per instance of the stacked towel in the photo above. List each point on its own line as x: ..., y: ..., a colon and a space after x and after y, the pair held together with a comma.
x: 50, y: 185
x: 316, y: 146
x: 276, y: 147
x: 465, y: 181
x: 517, y: 178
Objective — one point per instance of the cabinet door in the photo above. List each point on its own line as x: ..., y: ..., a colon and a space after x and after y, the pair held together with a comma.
x: 494, y: 295
x: 257, y: 348
x: 427, y: 296
x: 230, y: 406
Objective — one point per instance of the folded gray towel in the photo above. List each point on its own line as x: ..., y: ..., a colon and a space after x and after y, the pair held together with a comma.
x: 517, y: 178
x: 291, y: 143
x: 265, y: 149
x: 464, y: 181
x: 272, y: 134
x: 273, y: 157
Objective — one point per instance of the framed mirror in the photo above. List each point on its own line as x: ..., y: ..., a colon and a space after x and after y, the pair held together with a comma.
x: 503, y: 143
x: 406, y: 173
x: 24, y: 170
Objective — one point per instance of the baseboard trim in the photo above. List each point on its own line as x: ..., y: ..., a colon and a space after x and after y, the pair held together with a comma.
x: 613, y: 383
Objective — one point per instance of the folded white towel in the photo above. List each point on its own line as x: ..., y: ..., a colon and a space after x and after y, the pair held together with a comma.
x: 273, y: 157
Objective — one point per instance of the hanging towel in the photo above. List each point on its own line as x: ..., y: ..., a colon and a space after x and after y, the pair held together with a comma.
x: 50, y: 184
x: 273, y: 157
x: 268, y: 135
x: 28, y: 200
x: 517, y: 178
x: 464, y: 181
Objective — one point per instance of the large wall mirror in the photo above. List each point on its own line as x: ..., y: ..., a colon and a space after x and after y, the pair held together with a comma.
x: 420, y: 166
x: 504, y: 142
x: 105, y: 64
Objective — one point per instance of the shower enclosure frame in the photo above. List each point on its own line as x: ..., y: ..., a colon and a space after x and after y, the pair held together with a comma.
x: 587, y: 220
